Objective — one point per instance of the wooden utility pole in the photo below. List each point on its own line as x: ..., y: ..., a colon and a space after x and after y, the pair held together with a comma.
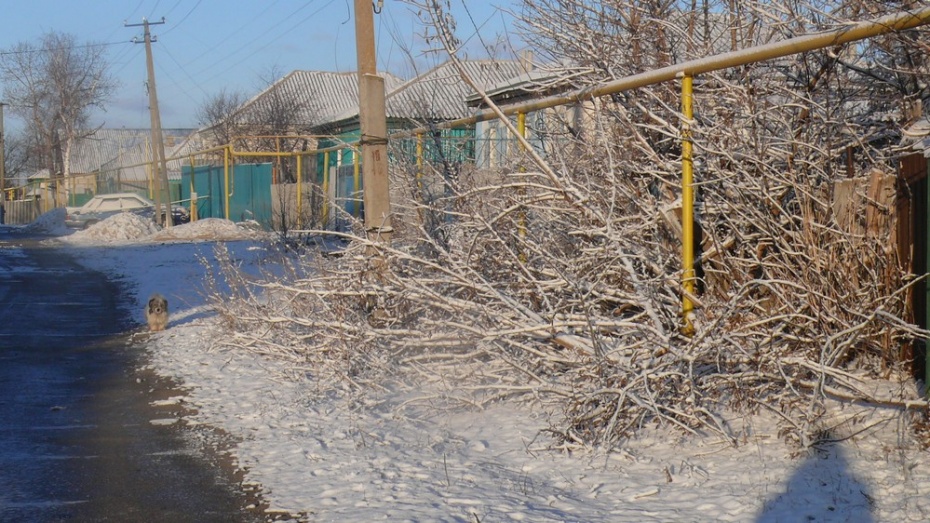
x: 373, y: 123
x: 160, y: 170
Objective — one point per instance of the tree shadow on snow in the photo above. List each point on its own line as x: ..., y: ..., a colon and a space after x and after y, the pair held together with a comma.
x: 822, y: 489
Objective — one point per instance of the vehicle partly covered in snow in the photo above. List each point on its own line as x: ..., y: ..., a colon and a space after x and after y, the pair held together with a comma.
x: 102, y: 206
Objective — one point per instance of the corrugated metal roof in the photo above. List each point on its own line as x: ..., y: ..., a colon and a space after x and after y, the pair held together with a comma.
x: 320, y: 96
x: 104, y: 145
x: 538, y: 82
x: 440, y: 94
x: 108, y: 149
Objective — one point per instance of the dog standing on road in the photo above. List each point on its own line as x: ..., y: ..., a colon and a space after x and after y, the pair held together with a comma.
x: 156, y: 313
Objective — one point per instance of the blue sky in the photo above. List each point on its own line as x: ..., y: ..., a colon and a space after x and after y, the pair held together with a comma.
x: 206, y: 45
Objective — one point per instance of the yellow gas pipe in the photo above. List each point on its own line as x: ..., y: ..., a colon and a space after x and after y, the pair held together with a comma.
x: 521, y: 217
x: 300, y: 193
x: 325, y: 189
x: 687, y: 203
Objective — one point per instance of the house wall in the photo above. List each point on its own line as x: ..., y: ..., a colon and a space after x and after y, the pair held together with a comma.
x: 547, y: 130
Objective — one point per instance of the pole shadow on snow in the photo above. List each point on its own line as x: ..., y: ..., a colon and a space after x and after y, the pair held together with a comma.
x: 821, y: 489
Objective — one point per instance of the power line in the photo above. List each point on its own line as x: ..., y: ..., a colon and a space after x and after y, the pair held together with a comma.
x: 273, y: 40
x: 175, y: 6
x: 477, y: 32
x: 47, y: 49
x: 231, y: 34
x: 183, y: 18
x: 288, y: 31
x: 129, y: 60
x: 138, y: 6
x: 154, y: 9
x: 183, y: 70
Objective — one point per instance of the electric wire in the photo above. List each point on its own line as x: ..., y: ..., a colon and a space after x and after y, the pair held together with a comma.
x: 47, y: 49
x: 154, y: 9
x: 233, y: 33
x: 276, y: 38
x: 183, y: 18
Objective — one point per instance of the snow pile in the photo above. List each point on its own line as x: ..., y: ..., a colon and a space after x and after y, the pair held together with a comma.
x: 208, y: 229
x: 125, y: 227
x: 119, y: 227
x: 52, y: 222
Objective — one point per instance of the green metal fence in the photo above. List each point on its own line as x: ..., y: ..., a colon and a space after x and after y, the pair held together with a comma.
x: 249, y: 192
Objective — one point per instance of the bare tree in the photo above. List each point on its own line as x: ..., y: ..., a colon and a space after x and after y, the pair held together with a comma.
x: 30, y: 98
x: 53, y: 85
x: 281, y: 110
x: 16, y: 158
x: 217, y: 115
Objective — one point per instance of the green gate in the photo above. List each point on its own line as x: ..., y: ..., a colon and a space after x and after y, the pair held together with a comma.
x: 249, y: 192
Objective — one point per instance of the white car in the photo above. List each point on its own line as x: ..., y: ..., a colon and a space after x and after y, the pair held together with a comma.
x: 103, y: 206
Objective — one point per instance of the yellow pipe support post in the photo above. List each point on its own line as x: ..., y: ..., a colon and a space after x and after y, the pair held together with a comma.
x: 420, y: 197
x: 420, y: 163
x: 355, y: 183
x: 687, y: 203
x: 299, y: 192
x: 226, y: 191
x: 325, y: 189
x: 193, y: 192
x: 521, y: 216
x: 149, y: 174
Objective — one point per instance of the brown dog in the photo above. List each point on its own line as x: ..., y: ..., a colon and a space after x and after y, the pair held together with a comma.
x: 156, y: 313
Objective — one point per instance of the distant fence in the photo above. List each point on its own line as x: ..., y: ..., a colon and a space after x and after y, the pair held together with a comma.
x: 264, y: 192
x: 21, y: 212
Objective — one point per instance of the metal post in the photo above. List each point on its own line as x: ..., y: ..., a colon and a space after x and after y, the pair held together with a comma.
x: 420, y: 198
x: 226, y: 189
x: 419, y: 175
x: 521, y: 216
x: 193, y: 192
x: 326, y: 189
x: 687, y: 202
x: 299, y: 192
x: 356, y: 183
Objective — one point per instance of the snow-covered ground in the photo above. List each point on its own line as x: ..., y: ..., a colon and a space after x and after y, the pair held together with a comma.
x: 382, y: 456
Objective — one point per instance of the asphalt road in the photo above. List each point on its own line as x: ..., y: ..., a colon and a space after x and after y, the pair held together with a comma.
x: 79, y: 437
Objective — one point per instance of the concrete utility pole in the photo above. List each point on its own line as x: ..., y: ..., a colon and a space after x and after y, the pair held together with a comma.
x: 158, y: 143
x: 373, y: 123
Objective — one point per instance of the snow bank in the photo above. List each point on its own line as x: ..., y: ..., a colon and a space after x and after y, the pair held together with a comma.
x: 128, y: 227
x: 122, y: 226
x: 52, y: 222
x: 214, y: 229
